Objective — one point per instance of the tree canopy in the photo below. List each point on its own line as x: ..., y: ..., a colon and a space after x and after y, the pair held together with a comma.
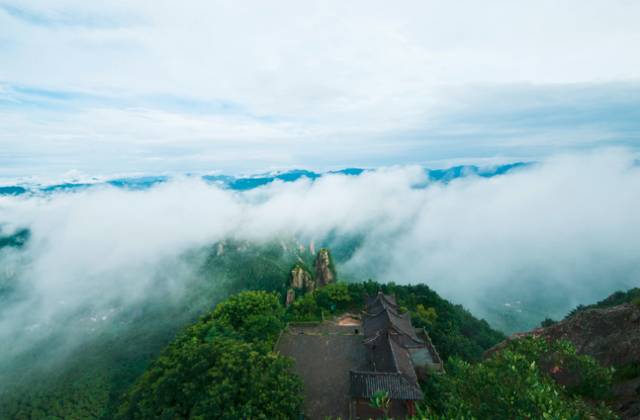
x: 221, y: 367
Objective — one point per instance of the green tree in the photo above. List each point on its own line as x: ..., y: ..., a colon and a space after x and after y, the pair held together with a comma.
x: 253, y: 316
x: 426, y: 315
x: 333, y: 296
x: 221, y: 368
x: 304, y: 308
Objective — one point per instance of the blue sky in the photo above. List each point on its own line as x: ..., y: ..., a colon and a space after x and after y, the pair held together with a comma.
x: 139, y: 86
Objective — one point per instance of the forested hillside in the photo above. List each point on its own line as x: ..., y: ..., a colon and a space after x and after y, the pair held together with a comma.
x: 90, y: 380
x: 122, y: 370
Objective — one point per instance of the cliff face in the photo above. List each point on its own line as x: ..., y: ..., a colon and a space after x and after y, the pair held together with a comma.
x: 301, y: 279
x: 325, y: 273
x: 611, y: 336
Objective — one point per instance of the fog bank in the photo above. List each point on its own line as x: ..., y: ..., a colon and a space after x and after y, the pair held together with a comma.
x: 568, y: 226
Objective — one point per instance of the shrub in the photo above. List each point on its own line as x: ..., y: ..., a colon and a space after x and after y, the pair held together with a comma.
x: 514, y: 384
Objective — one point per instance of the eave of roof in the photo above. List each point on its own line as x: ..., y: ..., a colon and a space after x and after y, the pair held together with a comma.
x: 366, y: 384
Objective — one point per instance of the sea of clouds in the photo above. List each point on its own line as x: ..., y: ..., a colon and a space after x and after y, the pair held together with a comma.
x: 568, y: 225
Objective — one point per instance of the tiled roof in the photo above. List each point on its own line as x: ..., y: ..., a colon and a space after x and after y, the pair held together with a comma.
x: 381, y: 356
x: 402, y: 360
x: 365, y: 384
x: 387, y: 319
x: 380, y: 301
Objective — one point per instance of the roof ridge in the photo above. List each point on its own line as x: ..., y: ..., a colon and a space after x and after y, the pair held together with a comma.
x: 376, y: 372
x: 394, y: 357
x: 396, y: 325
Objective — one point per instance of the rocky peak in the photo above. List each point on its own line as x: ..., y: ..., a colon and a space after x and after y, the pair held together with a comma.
x: 301, y: 282
x: 325, y: 272
x: 301, y: 279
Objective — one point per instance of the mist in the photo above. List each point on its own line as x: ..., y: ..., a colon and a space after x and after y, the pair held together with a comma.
x: 565, y: 229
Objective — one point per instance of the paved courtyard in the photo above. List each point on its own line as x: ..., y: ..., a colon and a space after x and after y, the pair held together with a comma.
x: 323, y: 356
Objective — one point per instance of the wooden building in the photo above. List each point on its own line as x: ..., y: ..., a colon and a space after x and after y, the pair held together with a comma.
x: 397, y: 354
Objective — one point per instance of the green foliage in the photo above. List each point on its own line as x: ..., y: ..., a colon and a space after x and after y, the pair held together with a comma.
x: 582, y: 375
x: 250, y: 316
x: 221, y: 367
x: 333, y: 297
x: 517, y: 383
x: 380, y: 401
x: 89, y: 381
x: 547, y: 322
x: 628, y: 371
x: 304, y: 308
x: 617, y: 298
x: 425, y: 315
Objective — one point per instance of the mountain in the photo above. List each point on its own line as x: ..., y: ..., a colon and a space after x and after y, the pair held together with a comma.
x: 12, y: 190
x: 449, y: 174
x: 244, y: 183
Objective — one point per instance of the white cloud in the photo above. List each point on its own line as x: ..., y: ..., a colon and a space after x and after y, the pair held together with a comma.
x: 569, y: 226
x: 354, y: 72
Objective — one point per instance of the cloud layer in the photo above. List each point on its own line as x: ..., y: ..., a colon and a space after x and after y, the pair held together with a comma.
x: 157, y: 86
x: 569, y: 226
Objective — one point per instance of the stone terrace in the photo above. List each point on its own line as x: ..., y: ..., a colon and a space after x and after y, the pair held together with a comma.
x: 324, y: 353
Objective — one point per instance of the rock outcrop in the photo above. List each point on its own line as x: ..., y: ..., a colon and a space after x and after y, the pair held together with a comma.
x: 325, y: 272
x: 610, y: 335
x: 301, y: 282
x: 301, y: 279
x: 291, y: 296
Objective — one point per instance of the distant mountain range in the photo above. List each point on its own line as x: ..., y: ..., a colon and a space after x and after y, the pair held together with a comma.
x: 244, y: 183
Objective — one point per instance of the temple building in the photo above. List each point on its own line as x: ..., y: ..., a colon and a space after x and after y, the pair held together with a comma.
x: 397, y: 354
x: 344, y: 361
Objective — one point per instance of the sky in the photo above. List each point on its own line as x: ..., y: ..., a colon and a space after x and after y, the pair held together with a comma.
x: 161, y: 86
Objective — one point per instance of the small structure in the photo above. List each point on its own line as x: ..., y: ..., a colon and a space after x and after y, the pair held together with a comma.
x: 349, y: 320
x: 396, y: 354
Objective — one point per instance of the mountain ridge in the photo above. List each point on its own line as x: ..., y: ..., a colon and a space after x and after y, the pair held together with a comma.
x: 246, y: 182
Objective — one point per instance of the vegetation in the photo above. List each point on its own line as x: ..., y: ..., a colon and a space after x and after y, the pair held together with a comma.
x: 88, y: 381
x: 618, y: 298
x: 548, y: 322
x: 380, y: 400
x: 520, y: 381
x: 221, y: 367
x: 626, y: 372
